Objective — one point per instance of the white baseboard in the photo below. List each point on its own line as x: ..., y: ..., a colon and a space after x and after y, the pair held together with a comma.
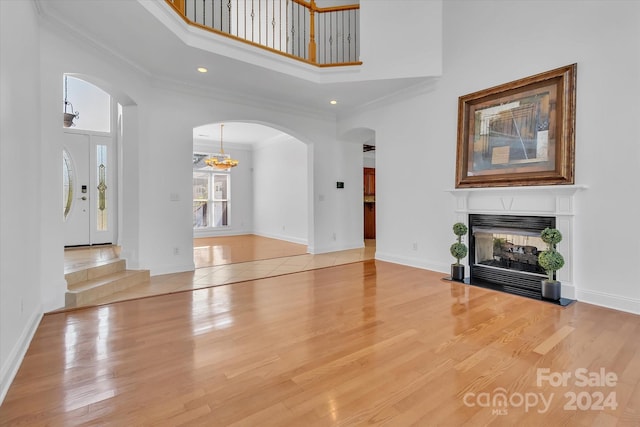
x: 209, y: 232
x: 334, y: 248
x: 284, y: 237
x: 15, y: 357
x: 616, y: 302
x: 414, y: 262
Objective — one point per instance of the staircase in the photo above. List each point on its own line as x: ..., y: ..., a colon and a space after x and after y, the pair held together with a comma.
x: 94, y: 273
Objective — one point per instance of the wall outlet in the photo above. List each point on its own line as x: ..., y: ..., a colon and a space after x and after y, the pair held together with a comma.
x: 176, y: 251
x: 333, y: 236
x: 283, y: 228
x: 414, y: 246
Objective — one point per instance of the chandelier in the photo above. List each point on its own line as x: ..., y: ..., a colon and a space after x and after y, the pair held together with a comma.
x: 221, y: 161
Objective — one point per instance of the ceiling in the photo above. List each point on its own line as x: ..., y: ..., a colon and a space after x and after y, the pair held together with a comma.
x: 127, y: 30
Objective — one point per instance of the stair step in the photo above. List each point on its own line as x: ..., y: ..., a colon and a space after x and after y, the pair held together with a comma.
x: 84, y: 257
x: 86, y: 291
x: 99, y: 269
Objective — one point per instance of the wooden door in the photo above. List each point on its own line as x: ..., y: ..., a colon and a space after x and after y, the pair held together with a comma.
x: 369, y: 199
x: 369, y: 220
x: 369, y: 175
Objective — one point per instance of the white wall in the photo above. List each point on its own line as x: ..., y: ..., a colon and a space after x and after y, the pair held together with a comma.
x: 20, y: 204
x: 400, y: 38
x: 281, y: 206
x: 520, y: 38
x: 369, y: 159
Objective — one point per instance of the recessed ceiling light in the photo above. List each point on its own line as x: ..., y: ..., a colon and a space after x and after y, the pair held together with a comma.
x: 202, y: 70
x: 333, y: 102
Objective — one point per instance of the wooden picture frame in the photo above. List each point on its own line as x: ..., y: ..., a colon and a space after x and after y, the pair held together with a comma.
x: 519, y: 133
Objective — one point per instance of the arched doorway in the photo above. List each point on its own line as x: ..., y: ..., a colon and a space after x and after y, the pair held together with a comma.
x: 267, y: 194
x: 89, y: 166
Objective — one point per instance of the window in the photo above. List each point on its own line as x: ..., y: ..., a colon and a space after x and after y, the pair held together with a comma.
x: 93, y: 104
x: 67, y: 183
x: 210, y: 195
x: 101, y: 173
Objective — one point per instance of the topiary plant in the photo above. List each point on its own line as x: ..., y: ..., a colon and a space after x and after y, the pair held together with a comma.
x: 551, y: 260
x: 459, y: 249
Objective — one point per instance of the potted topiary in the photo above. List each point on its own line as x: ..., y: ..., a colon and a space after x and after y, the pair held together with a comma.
x: 459, y: 251
x: 551, y: 261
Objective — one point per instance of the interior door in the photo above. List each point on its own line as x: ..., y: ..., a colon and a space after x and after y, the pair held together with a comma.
x: 369, y: 176
x: 77, y: 224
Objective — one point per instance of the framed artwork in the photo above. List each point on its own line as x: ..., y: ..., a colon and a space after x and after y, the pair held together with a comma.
x: 519, y: 133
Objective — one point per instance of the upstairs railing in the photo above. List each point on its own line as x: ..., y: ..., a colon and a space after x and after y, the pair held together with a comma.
x: 294, y: 28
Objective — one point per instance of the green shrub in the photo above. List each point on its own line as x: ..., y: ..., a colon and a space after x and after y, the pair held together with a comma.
x: 459, y: 249
x: 459, y: 229
x: 551, y: 260
x: 551, y: 236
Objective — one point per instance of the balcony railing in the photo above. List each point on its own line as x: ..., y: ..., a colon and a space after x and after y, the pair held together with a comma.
x: 294, y: 28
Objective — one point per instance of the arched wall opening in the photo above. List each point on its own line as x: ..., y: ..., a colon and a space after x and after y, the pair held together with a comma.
x: 116, y: 199
x: 269, y: 193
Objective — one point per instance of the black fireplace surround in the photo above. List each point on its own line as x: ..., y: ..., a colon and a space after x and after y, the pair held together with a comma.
x: 506, y: 264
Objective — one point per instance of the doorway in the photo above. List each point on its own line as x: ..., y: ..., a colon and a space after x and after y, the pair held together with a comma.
x: 88, y: 185
x: 89, y: 167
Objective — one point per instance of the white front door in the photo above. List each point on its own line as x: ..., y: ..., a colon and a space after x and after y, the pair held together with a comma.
x: 88, y: 189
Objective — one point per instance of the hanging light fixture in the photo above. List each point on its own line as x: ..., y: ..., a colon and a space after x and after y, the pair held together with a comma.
x: 221, y: 160
x: 68, y: 117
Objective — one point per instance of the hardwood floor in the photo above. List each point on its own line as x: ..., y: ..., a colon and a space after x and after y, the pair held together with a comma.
x: 212, y: 251
x: 363, y: 343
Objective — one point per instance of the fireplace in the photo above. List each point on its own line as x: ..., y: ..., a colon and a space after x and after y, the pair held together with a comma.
x: 528, y: 209
x: 503, y: 252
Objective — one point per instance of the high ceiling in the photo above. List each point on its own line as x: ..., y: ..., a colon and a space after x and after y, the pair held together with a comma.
x: 128, y: 30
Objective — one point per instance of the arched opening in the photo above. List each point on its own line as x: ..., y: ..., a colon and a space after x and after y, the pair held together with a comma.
x: 89, y: 167
x: 266, y: 195
x: 92, y: 177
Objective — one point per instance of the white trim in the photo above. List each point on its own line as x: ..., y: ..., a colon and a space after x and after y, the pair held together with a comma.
x: 333, y: 248
x: 616, y: 302
x: 414, y: 262
x: 16, y: 356
x: 284, y: 237
x: 218, y: 231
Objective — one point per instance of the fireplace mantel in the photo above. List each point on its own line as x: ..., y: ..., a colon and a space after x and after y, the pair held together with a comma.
x: 557, y: 200
x: 553, y: 200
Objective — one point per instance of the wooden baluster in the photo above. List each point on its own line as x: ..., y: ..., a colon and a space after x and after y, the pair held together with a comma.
x: 312, y: 32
